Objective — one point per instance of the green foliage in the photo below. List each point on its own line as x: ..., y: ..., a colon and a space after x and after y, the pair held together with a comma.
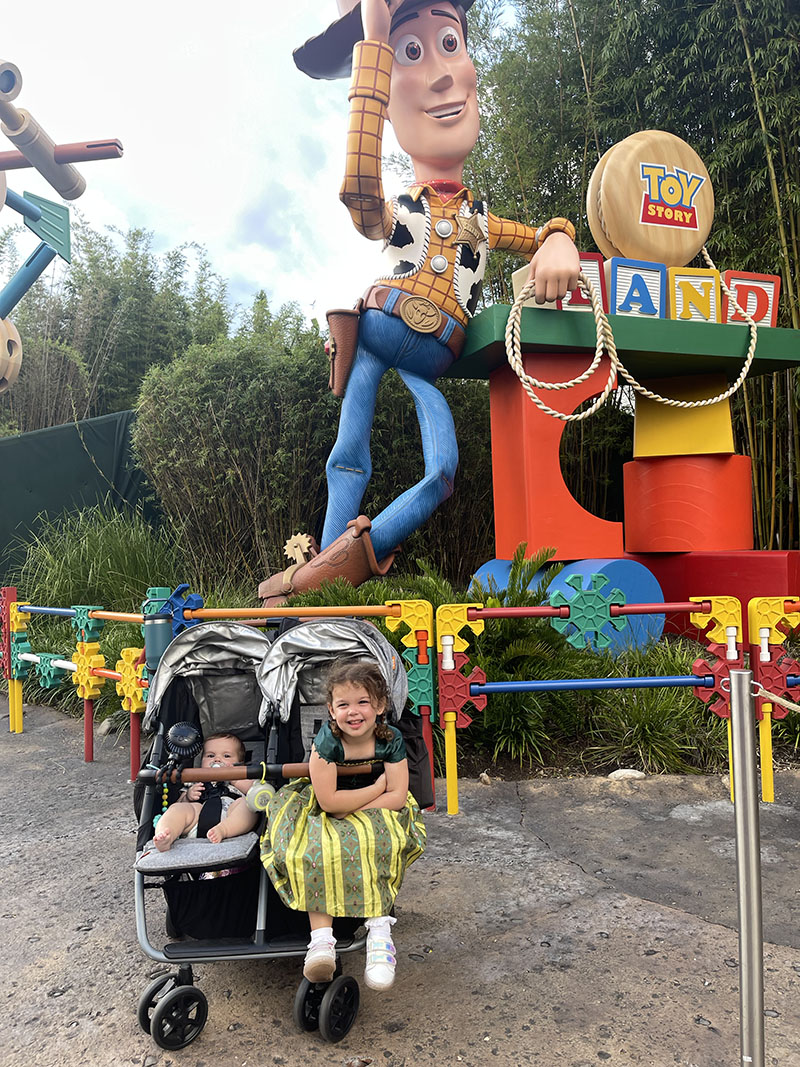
x: 97, y: 556
x: 663, y: 730
x: 233, y: 437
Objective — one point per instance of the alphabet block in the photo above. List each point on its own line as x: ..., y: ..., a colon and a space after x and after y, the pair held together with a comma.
x: 694, y: 294
x: 592, y: 267
x: 757, y: 294
x: 638, y: 288
x: 518, y: 280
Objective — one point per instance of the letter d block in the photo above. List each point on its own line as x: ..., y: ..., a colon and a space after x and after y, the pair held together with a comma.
x: 757, y: 294
x: 638, y: 288
x: 694, y: 294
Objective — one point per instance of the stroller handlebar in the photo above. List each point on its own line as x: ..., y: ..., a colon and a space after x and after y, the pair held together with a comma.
x: 153, y: 775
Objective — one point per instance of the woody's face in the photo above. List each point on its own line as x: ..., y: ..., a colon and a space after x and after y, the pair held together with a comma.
x: 433, y: 105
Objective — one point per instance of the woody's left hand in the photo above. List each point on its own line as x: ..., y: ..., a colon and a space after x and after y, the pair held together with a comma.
x: 555, y: 268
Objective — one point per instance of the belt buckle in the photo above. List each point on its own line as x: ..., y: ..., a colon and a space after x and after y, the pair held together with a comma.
x: 420, y: 314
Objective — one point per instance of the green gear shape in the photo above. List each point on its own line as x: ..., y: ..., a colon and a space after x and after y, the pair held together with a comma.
x: 50, y: 677
x: 85, y: 629
x: 19, y: 643
x: 589, y: 612
x: 420, y: 680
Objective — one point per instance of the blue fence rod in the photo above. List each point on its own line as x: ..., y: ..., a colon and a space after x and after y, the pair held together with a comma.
x: 792, y: 680
x: 67, y: 613
x: 669, y: 681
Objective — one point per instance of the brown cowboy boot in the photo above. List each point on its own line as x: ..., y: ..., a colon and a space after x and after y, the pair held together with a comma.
x: 350, y: 556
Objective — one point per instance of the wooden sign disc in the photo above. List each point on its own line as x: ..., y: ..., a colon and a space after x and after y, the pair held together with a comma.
x: 650, y: 198
x: 10, y: 354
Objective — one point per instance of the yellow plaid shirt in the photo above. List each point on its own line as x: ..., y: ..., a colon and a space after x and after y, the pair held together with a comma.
x: 362, y: 189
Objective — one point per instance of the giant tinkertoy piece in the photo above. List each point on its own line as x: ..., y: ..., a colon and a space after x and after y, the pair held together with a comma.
x: 49, y: 221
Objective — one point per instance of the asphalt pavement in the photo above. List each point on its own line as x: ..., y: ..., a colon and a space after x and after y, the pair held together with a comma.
x: 570, y: 921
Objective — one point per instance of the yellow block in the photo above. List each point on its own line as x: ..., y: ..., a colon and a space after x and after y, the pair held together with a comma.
x: 659, y: 430
x: 694, y: 294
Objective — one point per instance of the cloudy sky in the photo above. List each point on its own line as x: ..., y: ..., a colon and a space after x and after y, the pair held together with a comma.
x: 226, y: 142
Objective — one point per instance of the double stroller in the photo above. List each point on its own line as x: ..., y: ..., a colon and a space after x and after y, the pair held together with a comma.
x: 268, y: 689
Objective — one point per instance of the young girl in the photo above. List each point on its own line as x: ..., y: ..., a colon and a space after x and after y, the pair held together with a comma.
x: 339, y: 845
x: 211, y: 810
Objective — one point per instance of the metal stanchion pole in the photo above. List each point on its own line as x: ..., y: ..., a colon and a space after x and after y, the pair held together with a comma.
x: 748, y: 870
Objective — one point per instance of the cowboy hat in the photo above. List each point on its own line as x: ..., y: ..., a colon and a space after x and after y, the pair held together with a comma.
x: 330, y: 53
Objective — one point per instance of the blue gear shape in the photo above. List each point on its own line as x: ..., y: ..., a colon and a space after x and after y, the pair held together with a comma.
x: 589, y: 612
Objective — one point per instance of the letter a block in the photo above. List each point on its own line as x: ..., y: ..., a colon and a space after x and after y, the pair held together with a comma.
x: 757, y: 294
x: 638, y: 288
x: 694, y: 294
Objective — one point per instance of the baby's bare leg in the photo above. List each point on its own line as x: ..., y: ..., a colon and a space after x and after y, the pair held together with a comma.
x: 176, y: 821
x: 238, y: 821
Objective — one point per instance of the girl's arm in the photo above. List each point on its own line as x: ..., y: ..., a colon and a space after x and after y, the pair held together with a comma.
x: 340, y: 801
x: 396, y: 794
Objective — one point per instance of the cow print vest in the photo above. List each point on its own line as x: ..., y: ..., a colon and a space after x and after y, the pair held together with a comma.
x: 406, y: 250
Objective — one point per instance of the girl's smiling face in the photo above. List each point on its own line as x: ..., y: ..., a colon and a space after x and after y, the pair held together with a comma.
x: 353, y: 711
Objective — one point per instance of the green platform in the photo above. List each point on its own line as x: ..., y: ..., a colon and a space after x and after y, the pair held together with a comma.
x: 649, y: 348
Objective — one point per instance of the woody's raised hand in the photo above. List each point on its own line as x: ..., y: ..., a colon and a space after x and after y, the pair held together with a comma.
x: 376, y: 18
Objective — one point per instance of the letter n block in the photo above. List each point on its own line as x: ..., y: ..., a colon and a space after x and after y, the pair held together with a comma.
x: 694, y: 294
x: 757, y: 294
x: 638, y: 288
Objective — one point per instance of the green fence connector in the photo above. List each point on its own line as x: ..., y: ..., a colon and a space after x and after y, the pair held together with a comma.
x: 49, y: 677
x: 589, y: 612
x: 420, y: 680
x: 19, y: 644
x: 84, y: 628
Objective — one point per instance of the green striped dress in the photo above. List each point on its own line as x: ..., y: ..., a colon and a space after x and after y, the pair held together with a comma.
x: 350, y: 866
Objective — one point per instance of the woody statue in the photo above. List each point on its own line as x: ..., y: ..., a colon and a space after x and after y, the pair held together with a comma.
x: 409, y: 62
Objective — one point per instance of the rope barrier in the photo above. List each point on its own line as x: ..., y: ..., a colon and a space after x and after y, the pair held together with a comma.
x: 605, y: 343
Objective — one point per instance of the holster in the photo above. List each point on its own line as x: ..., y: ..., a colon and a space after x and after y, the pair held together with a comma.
x: 343, y: 324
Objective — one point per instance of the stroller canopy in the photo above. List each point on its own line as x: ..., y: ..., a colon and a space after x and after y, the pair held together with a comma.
x: 298, y: 658
x: 206, y: 649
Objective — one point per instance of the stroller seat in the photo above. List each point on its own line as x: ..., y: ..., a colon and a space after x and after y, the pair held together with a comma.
x: 195, y: 854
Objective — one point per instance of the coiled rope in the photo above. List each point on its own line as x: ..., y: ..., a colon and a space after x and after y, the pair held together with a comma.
x: 605, y: 343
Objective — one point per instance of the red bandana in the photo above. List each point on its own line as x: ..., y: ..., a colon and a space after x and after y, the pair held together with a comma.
x: 444, y: 188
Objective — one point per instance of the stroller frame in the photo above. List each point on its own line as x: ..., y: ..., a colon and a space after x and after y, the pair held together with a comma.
x: 172, y: 1009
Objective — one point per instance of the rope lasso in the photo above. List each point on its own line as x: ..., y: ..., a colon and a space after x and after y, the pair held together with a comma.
x: 605, y: 343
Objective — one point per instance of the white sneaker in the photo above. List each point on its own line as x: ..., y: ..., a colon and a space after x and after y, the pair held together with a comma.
x: 320, y: 962
x: 381, y: 960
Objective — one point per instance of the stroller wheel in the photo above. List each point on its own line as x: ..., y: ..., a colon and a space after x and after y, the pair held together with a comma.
x: 306, y: 1005
x: 150, y: 998
x: 179, y: 1017
x: 339, y: 1008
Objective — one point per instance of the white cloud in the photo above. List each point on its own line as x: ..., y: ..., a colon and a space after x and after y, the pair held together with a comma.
x: 226, y: 142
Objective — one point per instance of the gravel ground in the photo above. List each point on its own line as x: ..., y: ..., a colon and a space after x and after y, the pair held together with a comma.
x: 568, y: 921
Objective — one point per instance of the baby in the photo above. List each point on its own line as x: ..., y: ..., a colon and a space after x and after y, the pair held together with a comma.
x: 213, y: 810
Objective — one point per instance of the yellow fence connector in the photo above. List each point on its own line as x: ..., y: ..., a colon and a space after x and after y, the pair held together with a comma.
x: 86, y: 658
x: 768, y: 623
x: 450, y: 621
x: 765, y: 614
x: 129, y: 686
x: 18, y: 620
x: 416, y: 614
x: 726, y: 620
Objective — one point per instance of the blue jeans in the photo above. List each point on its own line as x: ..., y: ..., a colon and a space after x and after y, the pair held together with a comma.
x: 385, y: 341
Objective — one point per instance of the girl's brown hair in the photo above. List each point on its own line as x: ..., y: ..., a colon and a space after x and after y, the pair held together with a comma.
x: 368, y: 675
